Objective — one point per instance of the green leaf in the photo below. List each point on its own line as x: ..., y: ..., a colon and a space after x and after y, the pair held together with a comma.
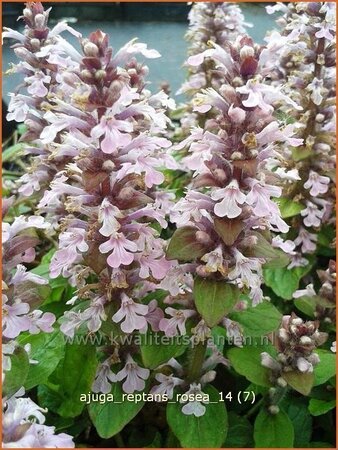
x: 300, y: 382
x: 318, y: 407
x: 110, y: 417
x: 300, y: 153
x: 214, y: 299
x: 306, y: 305
x: 273, y: 431
x: 326, y: 369
x: 49, y: 398
x: 16, y: 376
x: 275, y: 258
x: 240, y: 432
x: 13, y: 152
x: 228, y: 229
x: 156, y: 348
x: 289, y: 208
x: 207, y: 431
x: 76, y: 373
x: 184, y: 246
x: 48, y: 350
x: 297, y: 410
x: 284, y: 282
x: 247, y: 362
x: 259, y: 320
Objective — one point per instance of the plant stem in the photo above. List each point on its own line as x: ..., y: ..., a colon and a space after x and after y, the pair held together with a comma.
x: 196, y: 361
x: 119, y: 440
x: 256, y: 406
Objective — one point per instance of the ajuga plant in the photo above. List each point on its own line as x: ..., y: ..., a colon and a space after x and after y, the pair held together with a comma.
x: 135, y: 318
x: 304, y: 54
x: 43, y: 57
x: 208, y: 22
x: 22, y: 322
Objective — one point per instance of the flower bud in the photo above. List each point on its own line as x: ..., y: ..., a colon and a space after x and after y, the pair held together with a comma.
x: 304, y: 366
x: 27, y: 13
x: 202, y: 271
x: 228, y: 92
x: 320, y: 118
x: 314, y: 359
x: 40, y: 21
x: 270, y: 363
x: 305, y: 340
x: 35, y: 43
x: 108, y: 165
x: 236, y: 114
x: 90, y: 49
x: 297, y: 321
x: 86, y: 74
x: 203, y: 237
x: 273, y: 409
x: 246, y: 52
x: 100, y: 74
x: 281, y: 382
x: 208, y: 377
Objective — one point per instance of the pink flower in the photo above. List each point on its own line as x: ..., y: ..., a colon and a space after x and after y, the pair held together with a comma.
x: 95, y: 314
x: 119, y: 244
x: 108, y: 215
x: 158, y: 267
x: 245, y: 269
x: 132, y: 48
x: 259, y: 198
x: 272, y: 132
x: 177, y: 280
x: 167, y: 385
x: 317, y: 184
x: 316, y: 89
x: 306, y: 240
x: 23, y: 426
x: 134, y: 376
x: 297, y: 260
x: 191, y: 208
x: 287, y: 246
x: 177, y: 322
x: 153, y: 316
x: 41, y: 321
x: 133, y: 313
x: 19, y: 106
x: 236, y: 114
x: 21, y: 275
x: 262, y: 95
x: 214, y: 260
x: 71, y: 322
x: 307, y: 292
x: 112, y: 128
x: 194, y: 407
x: 304, y: 365
x: 37, y: 84
x: 142, y: 164
x: 74, y: 239
x: 14, y: 319
x: 102, y: 377
x: 232, y: 196
x: 312, y: 215
x: 324, y: 30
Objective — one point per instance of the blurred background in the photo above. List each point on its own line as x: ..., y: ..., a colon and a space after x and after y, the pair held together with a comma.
x: 161, y: 25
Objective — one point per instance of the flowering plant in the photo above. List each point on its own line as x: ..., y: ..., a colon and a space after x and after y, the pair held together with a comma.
x: 130, y: 303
